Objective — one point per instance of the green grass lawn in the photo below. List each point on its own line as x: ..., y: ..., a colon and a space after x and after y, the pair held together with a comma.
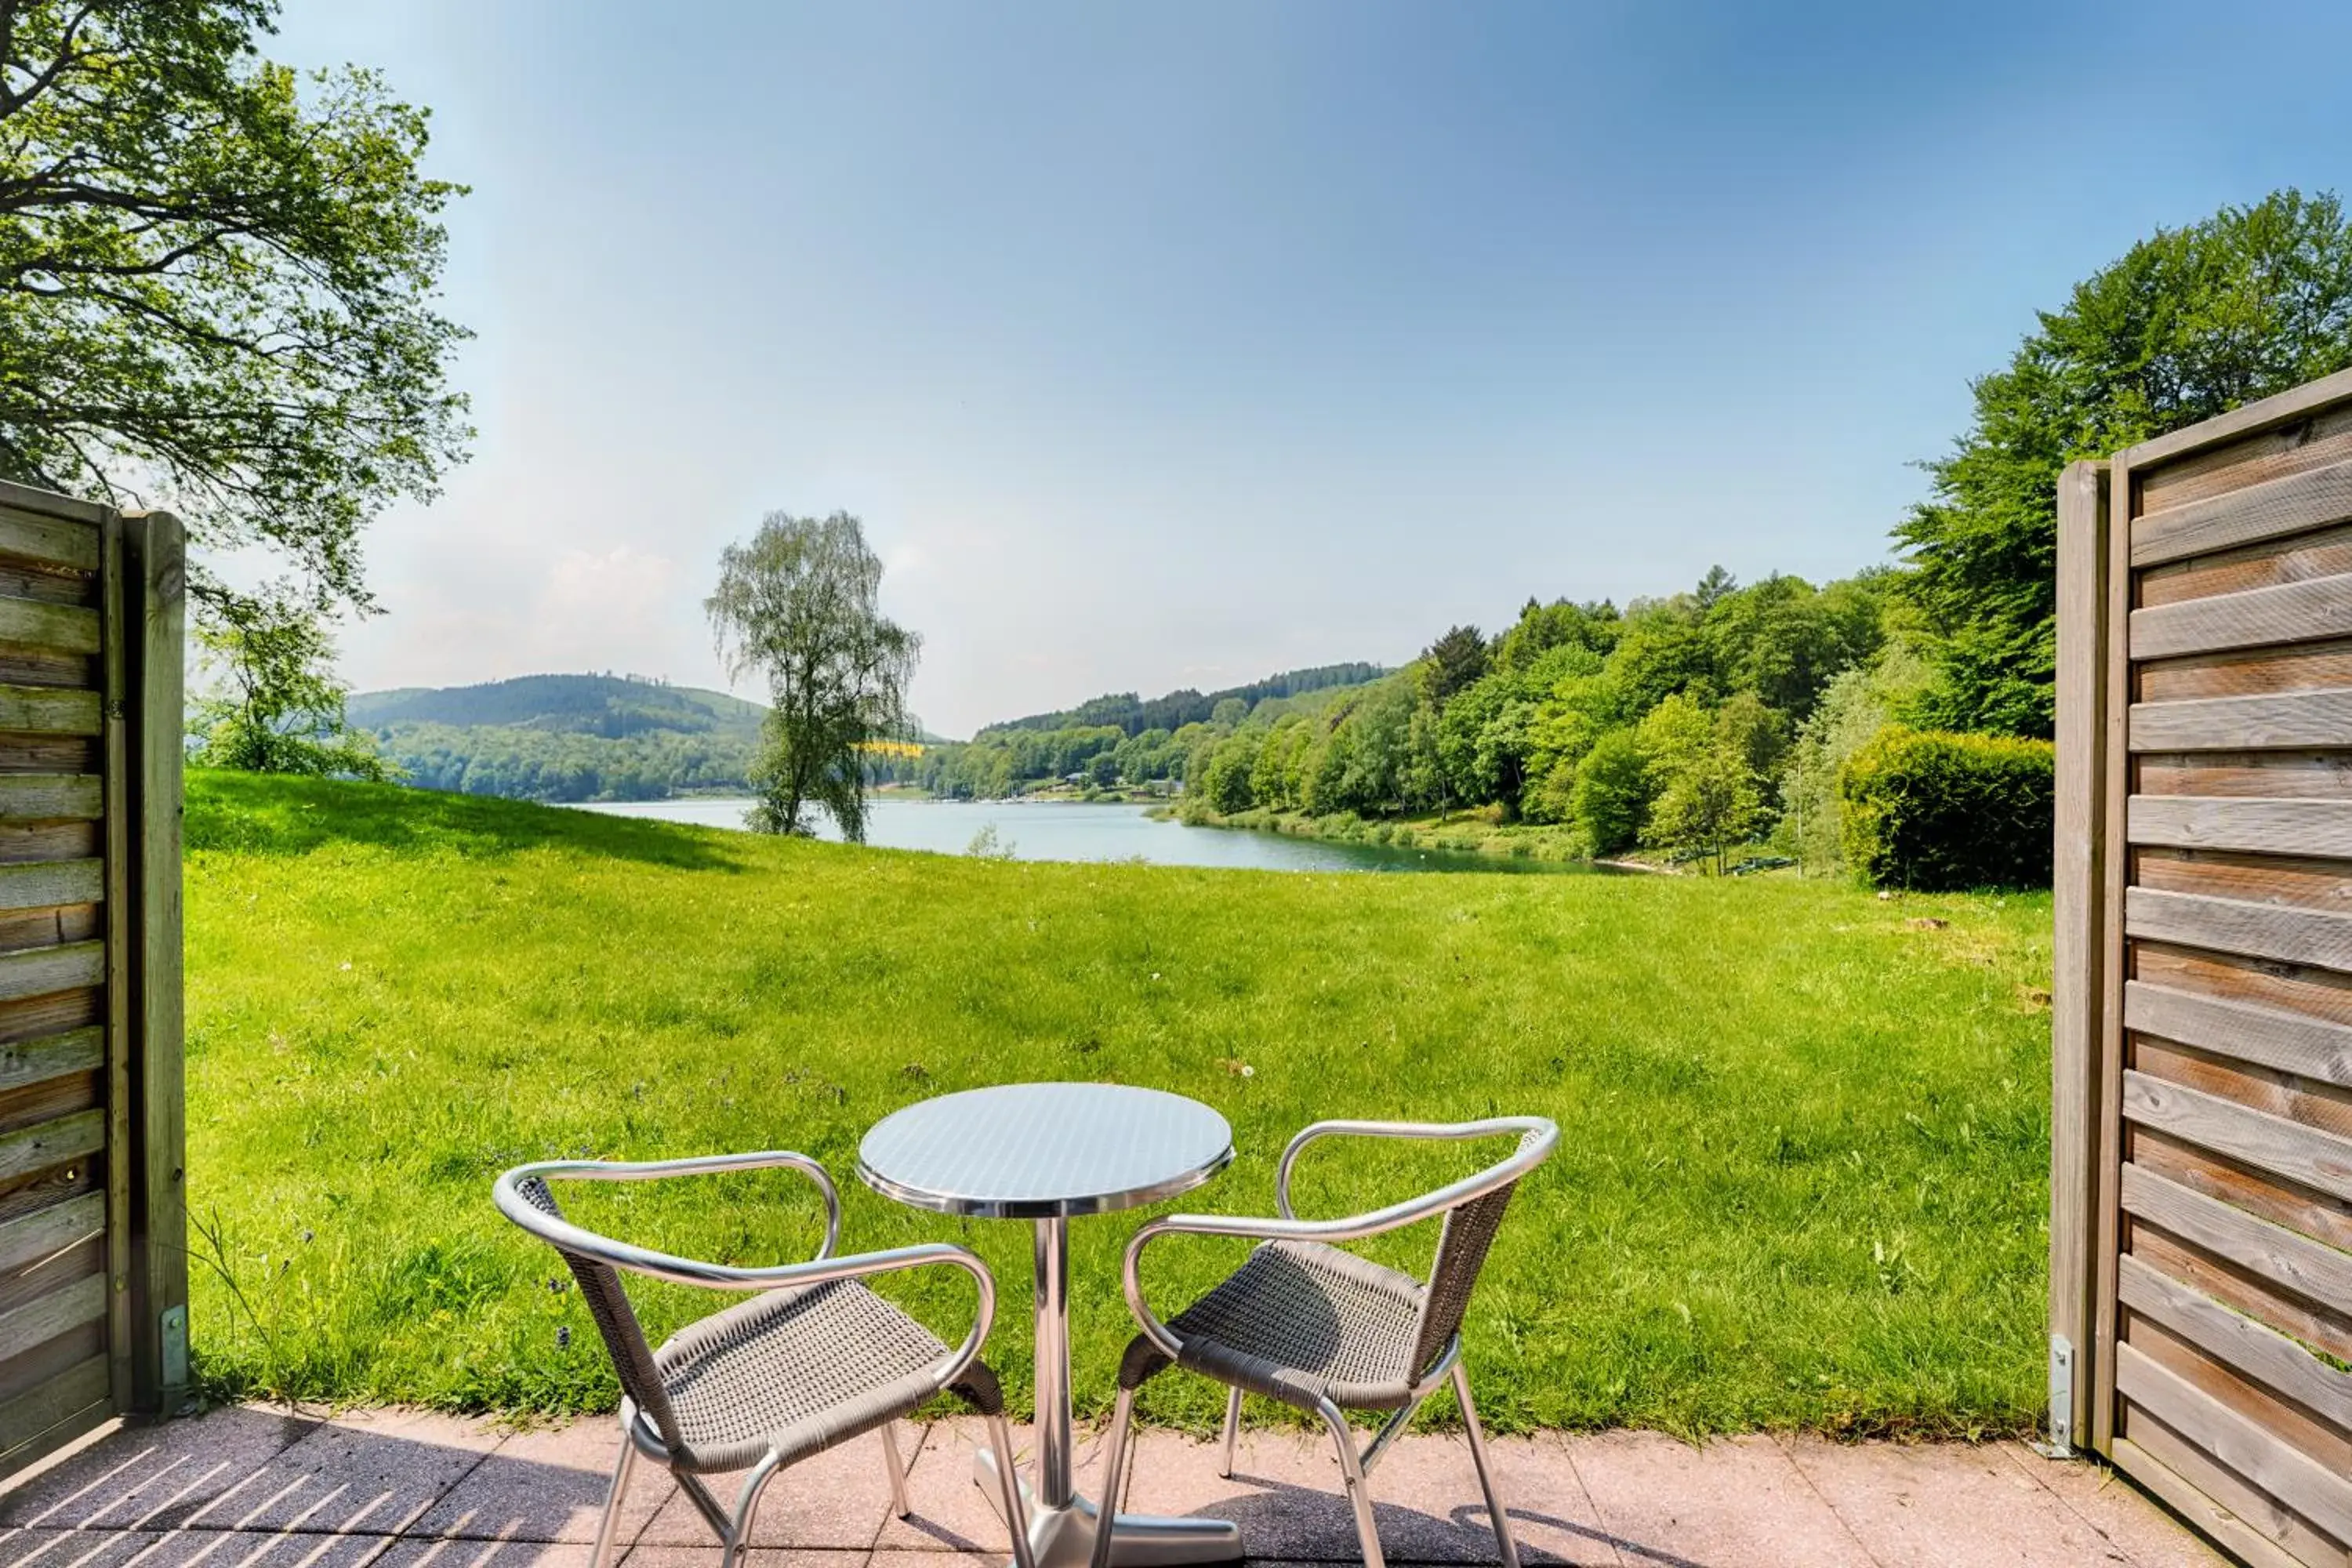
x: 1800, y: 1181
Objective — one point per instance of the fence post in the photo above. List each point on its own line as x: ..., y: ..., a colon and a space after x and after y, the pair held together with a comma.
x: 2078, y: 950
x: 155, y: 582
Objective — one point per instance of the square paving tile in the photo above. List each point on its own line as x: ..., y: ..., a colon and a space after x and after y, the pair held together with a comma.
x: 1739, y: 1503
x: 1552, y: 1513
x: 835, y: 1501
x: 2134, y: 1523
x: 375, y: 1472
x: 1956, y: 1505
x: 156, y: 1477
x: 950, y: 1513
x: 549, y: 1484
x: 455, y: 1553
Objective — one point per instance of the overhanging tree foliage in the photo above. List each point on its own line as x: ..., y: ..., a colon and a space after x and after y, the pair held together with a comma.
x: 2191, y: 323
x: 217, y: 285
x: 800, y: 605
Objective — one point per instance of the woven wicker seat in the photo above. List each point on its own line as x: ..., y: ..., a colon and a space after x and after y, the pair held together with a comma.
x: 813, y: 1361
x: 1321, y: 1329
x: 1302, y: 1322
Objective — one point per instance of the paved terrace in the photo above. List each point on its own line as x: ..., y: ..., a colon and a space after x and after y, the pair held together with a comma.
x: 260, y: 1488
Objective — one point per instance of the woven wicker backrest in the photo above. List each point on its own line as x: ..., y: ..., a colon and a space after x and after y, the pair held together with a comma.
x: 1461, y: 1253
x: 599, y: 1287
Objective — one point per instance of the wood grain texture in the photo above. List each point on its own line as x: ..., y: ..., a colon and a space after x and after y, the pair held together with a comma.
x: 2249, y: 672
x: 2290, y: 1041
x: 29, y: 1420
x: 2270, y: 826
x: 47, y: 885
x: 2314, y: 1490
x: 2255, y: 618
x: 70, y: 1306
x: 2239, y: 925
x: 2193, y: 1500
x: 37, y: 971
x: 2294, y: 1424
x: 31, y: 1061
x: 26, y: 1240
x: 2282, y: 1094
x: 51, y: 797
x: 2281, y: 1257
x: 52, y: 1143
x: 2272, y: 721
x: 2297, y: 405
x: 2254, y: 1349
x: 63, y: 628
x: 2079, y: 877
x: 2280, y: 774
x: 48, y: 540
x: 2302, y: 1153
x: 2292, y: 504
x: 2115, y: 786
x: 48, y: 710
x: 2321, y: 553
x: 121, y: 1331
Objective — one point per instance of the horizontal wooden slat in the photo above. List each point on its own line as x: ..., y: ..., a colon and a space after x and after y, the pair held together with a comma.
x: 2285, y: 1257
x: 2153, y: 1467
x: 2256, y: 617
x: 2318, y: 1160
x: 2314, y: 498
x: 2301, y: 828
x: 49, y: 540
x: 52, y: 797
x: 27, y: 1418
x: 2302, y: 407
x: 67, y: 628
x: 48, y: 710
x: 68, y: 1306
x: 37, y: 970
x: 2272, y: 721
x: 52, y: 1143
x: 26, y: 1240
x: 2230, y: 925
x: 2310, y: 1487
x: 2291, y: 1042
x: 31, y: 1061
x: 2261, y: 1353
x: 49, y: 884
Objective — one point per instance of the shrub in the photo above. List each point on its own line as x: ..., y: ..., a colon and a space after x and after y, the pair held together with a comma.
x: 1937, y: 812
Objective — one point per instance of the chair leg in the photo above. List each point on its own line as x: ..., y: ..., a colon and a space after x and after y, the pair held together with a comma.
x: 1360, y: 1494
x: 607, y: 1527
x: 1115, y: 1464
x: 898, y: 1468
x: 1233, y: 1427
x: 1016, y: 1517
x: 1495, y: 1511
x: 739, y: 1527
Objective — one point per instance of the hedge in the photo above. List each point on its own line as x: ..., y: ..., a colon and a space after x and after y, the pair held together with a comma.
x: 1937, y: 812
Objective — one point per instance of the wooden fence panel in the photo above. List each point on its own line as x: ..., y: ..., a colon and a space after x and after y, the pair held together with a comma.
x: 83, y: 1024
x: 2204, y: 997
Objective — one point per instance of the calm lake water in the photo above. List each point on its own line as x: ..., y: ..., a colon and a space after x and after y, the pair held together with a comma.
x: 1067, y: 830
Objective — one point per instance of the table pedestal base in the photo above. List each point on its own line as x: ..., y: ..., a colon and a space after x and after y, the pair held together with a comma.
x: 1065, y: 1537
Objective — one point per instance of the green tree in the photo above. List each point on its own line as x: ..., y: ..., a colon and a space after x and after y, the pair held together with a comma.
x: 1611, y: 793
x: 2189, y: 323
x: 800, y: 605
x: 1452, y: 663
x: 278, y: 708
x: 217, y: 286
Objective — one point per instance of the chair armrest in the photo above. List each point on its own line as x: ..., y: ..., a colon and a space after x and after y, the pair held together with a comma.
x: 692, y: 1165
x: 1537, y: 1138
x: 822, y: 1269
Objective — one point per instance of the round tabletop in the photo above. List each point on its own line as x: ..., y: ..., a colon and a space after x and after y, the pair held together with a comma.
x: 1045, y: 1151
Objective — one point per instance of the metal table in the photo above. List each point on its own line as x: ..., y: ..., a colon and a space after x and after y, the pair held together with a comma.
x: 1049, y: 1153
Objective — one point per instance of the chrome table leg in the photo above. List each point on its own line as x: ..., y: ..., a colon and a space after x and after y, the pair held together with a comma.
x: 1062, y: 1524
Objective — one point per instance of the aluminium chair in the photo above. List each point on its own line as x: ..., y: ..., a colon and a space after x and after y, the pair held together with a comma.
x: 1321, y: 1329
x: 811, y: 1361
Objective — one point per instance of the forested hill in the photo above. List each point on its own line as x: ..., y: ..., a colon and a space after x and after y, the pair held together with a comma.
x: 1124, y: 711
x: 606, y: 705
x: 565, y: 737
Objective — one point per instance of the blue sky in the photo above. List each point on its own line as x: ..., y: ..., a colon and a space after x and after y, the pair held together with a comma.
x: 1173, y: 345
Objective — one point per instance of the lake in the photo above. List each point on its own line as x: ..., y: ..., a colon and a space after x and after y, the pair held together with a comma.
x: 1069, y: 830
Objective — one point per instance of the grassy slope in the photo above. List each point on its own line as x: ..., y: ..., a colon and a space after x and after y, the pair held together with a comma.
x: 1802, y: 1179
